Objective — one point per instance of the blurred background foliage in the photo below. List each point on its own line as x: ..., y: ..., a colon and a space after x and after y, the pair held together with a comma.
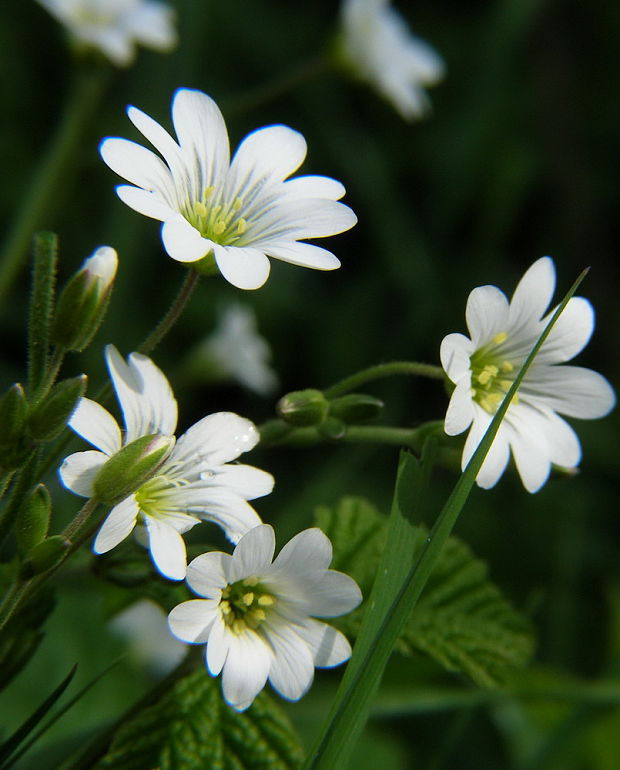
x: 516, y: 161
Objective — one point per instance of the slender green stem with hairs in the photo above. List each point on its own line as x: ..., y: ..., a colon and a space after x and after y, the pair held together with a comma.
x: 381, y: 371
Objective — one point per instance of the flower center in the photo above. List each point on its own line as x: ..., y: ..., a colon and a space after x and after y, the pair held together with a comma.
x: 152, y: 497
x: 217, y: 221
x: 491, y: 375
x: 245, y: 604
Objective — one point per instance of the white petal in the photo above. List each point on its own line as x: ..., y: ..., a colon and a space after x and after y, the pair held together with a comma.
x: 218, y: 646
x: 183, y: 242
x: 245, y: 481
x: 303, y: 560
x: 533, y: 294
x: 328, y: 646
x: 498, y: 455
x: 314, y: 187
x: 486, y: 314
x: 216, y: 439
x: 460, y: 409
x: 253, y: 553
x: 206, y: 574
x: 315, y: 218
x: 245, y: 268
x: 95, y: 424
x: 144, y: 395
x: 226, y: 509
x: 335, y: 594
x: 150, y: 204
x: 292, y: 670
x: 167, y: 548
x: 571, y: 333
x: 202, y: 135
x: 564, y: 446
x: 455, y: 353
x: 79, y: 470
x: 191, y: 621
x: 246, y: 669
x: 119, y: 523
x: 529, y: 448
x: 271, y: 153
x: 571, y: 390
x: 136, y: 164
x: 303, y: 254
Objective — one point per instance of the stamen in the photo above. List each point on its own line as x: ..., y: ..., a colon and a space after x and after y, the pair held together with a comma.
x: 499, y: 338
x: 200, y: 209
x: 248, y: 598
x: 208, y: 192
x: 266, y: 600
x: 219, y: 227
x: 487, y: 374
x: 506, y: 367
x: 237, y: 204
x: 242, y: 226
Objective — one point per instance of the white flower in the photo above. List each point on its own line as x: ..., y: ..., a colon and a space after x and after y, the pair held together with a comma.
x: 257, y: 617
x: 236, y: 213
x: 115, y: 26
x: 379, y: 47
x: 102, y: 266
x: 483, y: 368
x: 196, y: 482
x: 236, y: 350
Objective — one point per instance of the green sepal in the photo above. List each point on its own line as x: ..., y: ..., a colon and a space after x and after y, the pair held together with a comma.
x: 356, y: 407
x: 303, y: 407
x: 129, y: 468
x: 13, y: 410
x: 33, y: 519
x: 49, y: 417
x: 333, y: 428
x: 44, y: 556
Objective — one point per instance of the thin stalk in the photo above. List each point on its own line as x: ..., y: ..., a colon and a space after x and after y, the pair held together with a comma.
x: 47, y: 178
x: 25, y: 479
x: 174, y: 312
x: 384, y: 370
x: 5, y: 480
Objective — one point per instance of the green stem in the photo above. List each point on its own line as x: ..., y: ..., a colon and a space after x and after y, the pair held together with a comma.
x: 384, y: 370
x: 47, y: 179
x: 275, y: 88
x: 178, y: 306
x: 25, y: 479
x: 49, y: 379
x: 41, y: 306
x: 5, y: 480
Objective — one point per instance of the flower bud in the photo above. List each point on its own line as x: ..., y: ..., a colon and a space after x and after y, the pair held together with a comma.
x: 49, y: 417
x: 44, y: 556
x: 129, y: 468
x: 13, y: 408
x: 303, y: 407
x: 356, y: 407
x: 332, y: 428
x: 84, y: 300
x: 33, y: 519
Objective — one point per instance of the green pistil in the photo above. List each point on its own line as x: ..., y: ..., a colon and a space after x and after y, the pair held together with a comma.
x: 491, y: 375
x: 245, y: 604
x: 220, y: 223
x: 149, y: 496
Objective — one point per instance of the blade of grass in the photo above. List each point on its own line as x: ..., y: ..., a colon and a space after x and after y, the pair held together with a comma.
x: 381, y: 628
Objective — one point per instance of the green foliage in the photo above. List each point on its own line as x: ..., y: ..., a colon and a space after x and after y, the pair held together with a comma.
x: 462, y: 620
x: 191, y: 728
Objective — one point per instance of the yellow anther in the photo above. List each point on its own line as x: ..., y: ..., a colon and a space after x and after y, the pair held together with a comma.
x: 266, y: 601
x: 490, y: 402
x: 506, y: 367
x: 237, y: 204
x: 200, y: 209
x: 258, y: 615
x: 208, y: 192
x: 248, y: 598
x: 225, y: 607
x: 242, y: 226
x: 250, y: 581
x: 487, y: 374
x: 499, y: 338
x: 238, y: 626
x: 219, y: 227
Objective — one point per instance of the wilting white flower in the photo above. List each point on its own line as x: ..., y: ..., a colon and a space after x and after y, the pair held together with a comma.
x: 257, y: 617
x: 235, y: 350
x: 378, y: 46
x: 484, y: 367
x: 236, y: 213
x: 145, y: 628
x: 196, y: 482
x: 116, y: 26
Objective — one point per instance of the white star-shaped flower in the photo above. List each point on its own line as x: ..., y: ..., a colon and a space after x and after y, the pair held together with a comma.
x: 257, y: 617
x: 115, y: 26
x: 379, y: 47
x: 483, y: 367
x: 196, y: 482
x: 237, y: 213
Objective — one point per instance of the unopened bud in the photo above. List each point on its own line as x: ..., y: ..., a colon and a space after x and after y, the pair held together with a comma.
x: 356, y: 407
x: 84, y: 300
x: 44, y: 556
x: 332, y: 428
x: 33, y: 519
x: 129, y: 468
x: 50, y: 416
x: 13, y: 408
x: 303, y: 407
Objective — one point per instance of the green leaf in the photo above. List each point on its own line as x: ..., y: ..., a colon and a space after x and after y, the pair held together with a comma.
x: 191, y: 728
x: 462, y: 620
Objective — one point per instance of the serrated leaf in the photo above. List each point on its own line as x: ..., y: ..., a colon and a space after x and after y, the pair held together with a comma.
x: 462, y: 620
x: 191, y: 728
